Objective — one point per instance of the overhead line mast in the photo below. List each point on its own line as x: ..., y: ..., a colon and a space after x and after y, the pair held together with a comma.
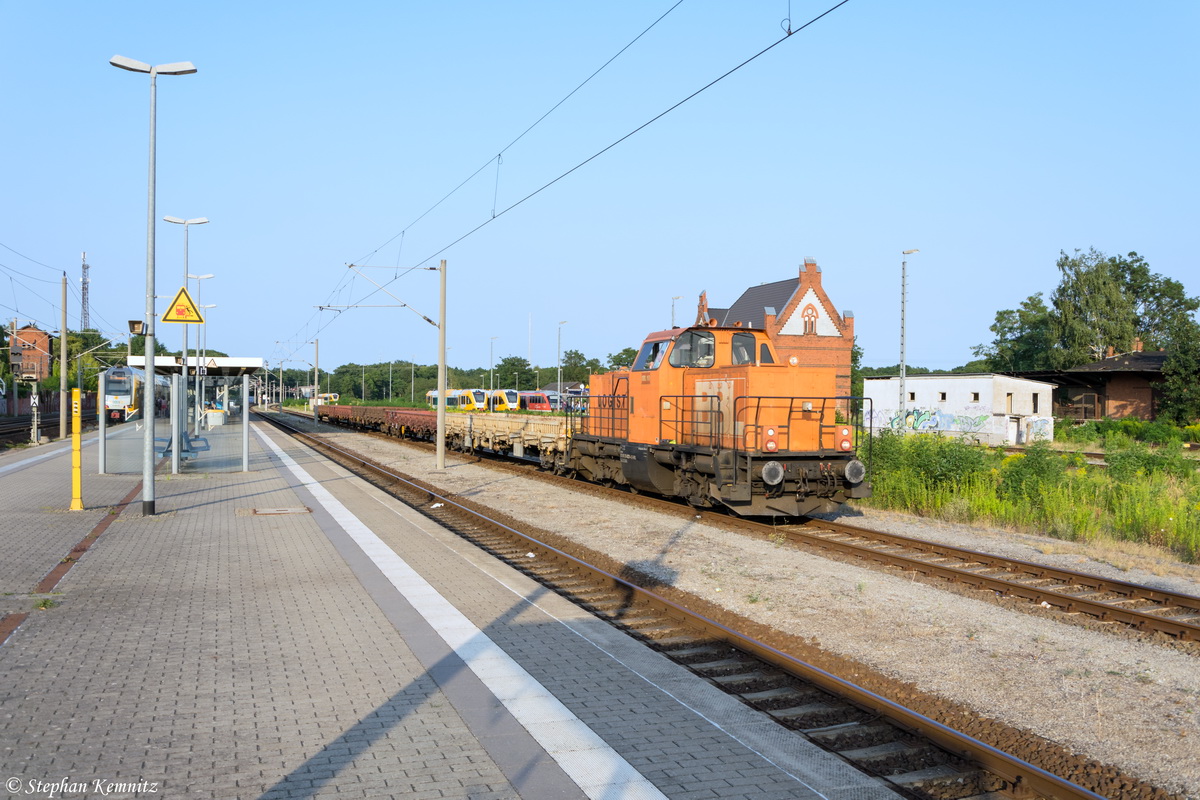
x: 84, y: 321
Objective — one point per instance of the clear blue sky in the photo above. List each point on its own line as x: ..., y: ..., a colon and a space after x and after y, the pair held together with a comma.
x: 990, y: 135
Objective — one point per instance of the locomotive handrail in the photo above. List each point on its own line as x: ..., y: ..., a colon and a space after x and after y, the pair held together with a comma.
x: 686, y: 420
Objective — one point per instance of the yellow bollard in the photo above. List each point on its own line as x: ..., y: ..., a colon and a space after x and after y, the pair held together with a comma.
x: 76, y: 454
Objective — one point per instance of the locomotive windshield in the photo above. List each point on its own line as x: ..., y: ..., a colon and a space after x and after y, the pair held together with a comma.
x: 694, y: 349
x: 651, y: 355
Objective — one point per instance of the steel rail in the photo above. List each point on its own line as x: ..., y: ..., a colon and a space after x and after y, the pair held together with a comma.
x: 1109, y: 610
x: 1018, y: 585
x: 1022, y: 777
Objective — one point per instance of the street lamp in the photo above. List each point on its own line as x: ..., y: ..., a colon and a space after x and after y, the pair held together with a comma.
x: 903, y: 299
x: 179, y: 68
x: 673, y: 299
x: 186, y: 223
x: 199, y: 388
x: 491, y: 363
x: 559, y: 387
x: 204, y: 348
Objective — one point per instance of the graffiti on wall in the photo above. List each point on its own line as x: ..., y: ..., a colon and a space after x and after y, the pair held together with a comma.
x: 1040, y: 428
x: 923, y: 419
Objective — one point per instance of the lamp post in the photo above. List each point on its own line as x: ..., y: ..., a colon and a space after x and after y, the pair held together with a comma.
x: 673, y: 299
x: 903, y: 300
x: 492, y: 363
x: 186, y: 223
x: 559, y: 386
x: 196, y: 394
x: 202, y: 350
x: 179, y: 68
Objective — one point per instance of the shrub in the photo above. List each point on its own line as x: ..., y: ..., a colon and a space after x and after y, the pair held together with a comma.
x: 1031, y: 474
x: 939, y: 460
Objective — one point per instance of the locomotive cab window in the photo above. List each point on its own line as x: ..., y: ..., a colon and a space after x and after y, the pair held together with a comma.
x: 694, y: 349
x: 764, y: 354
x: 743, y: 348
x: 651, y: 355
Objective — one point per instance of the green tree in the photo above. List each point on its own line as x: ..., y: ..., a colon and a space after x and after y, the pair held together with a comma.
x: 515, y: 372
x: 1180, y: 387
x: 1023, y: 338
x: 1091, y: 310
x: 1158, y: 302
x: 856, y: 374
x: 622, y: 359
x: 578, y: 367
x: 138, y: 346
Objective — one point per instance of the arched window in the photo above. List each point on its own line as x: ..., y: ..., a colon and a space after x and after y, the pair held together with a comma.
x: 809, y: 316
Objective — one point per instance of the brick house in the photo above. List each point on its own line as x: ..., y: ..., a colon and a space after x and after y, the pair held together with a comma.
x: 800, y: 318
x: 1118, y: 386
x: 30, y: 354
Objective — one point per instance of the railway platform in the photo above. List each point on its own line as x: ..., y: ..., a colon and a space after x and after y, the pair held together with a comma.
x: 293, y: 632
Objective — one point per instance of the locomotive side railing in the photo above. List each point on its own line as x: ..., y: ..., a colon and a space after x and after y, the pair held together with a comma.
x: 798, y: 423
x: 694, y: 420
x: 603, y: 416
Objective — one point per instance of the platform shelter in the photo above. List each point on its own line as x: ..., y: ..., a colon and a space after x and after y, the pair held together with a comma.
x: 200, y: 417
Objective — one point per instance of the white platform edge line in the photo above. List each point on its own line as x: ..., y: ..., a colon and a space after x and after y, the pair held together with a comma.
x: 582, y: 634
x: 427, y: 601
x: 56, y: 451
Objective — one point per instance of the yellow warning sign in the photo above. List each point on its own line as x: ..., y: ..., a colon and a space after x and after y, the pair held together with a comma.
x: 182, y: 309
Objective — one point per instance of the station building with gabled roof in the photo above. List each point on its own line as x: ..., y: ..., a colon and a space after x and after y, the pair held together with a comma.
x: 798, y: 316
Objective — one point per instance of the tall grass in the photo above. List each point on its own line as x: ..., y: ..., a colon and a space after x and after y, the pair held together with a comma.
x: 1142, y: 497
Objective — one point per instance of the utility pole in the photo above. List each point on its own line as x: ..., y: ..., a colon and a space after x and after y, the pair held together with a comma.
x: 84, y: 320
x: 440, y: 461
x: 62, y: 365
x: 903, y: 302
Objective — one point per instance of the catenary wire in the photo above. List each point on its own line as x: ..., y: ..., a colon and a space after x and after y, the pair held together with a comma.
x: 788, y: 34
x: 523, y: 133
x: 636, y: 130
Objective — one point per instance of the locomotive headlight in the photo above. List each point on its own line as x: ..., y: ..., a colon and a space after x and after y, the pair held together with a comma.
x: 770, y: 431
x: 855, y: 471
x: 845, y: 432
x: 847, y: 445
x: 770, y: 446
x: 772, y: 473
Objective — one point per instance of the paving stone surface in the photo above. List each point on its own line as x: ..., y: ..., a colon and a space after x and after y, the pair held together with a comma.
x: 211, y: 651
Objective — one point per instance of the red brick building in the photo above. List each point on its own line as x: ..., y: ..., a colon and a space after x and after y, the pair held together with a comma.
x: 1119, y: 386
x: 800, y: 318
x: 30, y: 354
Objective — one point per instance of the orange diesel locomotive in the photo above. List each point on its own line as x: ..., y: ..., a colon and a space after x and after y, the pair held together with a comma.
x: 715, y: 416
x: 745, y: 409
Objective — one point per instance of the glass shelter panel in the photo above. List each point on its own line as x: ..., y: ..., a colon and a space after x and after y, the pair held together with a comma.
x: 126, y: 417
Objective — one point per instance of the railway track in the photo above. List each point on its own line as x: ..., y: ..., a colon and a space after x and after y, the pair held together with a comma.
x: 919, y: 756
x: 21, y: 426
x: 1076, y: 594
x: 1104, y: 599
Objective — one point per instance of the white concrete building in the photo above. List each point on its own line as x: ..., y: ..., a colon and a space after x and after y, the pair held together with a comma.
x: 995, y: 409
